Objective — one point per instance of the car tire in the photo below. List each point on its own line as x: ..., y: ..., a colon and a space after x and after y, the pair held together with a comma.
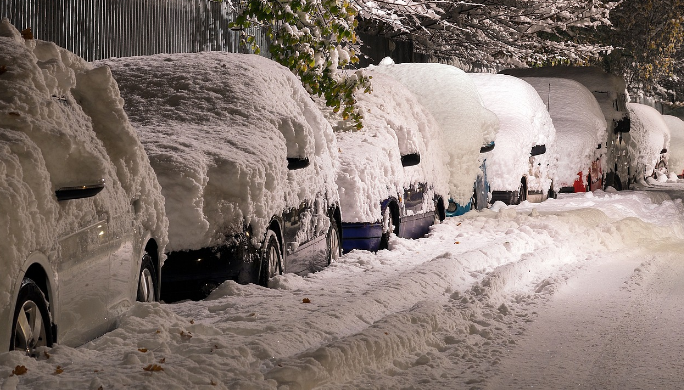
x: 31, y: 324
x: 334, y: 242
x: 147, y: 281
x: 271, y: 259
x: 389, y: 226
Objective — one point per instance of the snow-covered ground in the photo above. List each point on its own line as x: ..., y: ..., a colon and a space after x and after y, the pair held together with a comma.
x: 580, y: 290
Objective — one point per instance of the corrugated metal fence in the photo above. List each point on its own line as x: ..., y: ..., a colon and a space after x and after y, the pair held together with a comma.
x: 98, y: 29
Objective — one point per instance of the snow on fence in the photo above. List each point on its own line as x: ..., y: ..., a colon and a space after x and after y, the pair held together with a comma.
x: 99, y: 29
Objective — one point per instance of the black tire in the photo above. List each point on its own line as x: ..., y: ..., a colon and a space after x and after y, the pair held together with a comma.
x: 522, y: 192
x: 334, y: 242
x: 31, y: 323
x: 271, y: 259
x: 147, y: 280
x: 588, y: 183
x: 389, y: 226
x: 612, y: 180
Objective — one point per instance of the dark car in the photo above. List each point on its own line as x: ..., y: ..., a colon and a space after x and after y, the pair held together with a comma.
x: 246, y: 162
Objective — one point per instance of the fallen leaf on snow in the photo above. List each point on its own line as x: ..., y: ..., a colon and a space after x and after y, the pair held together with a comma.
x: 58, y: 370
x: 162, y: 360
x: 457, y: 242
x: 185, y: 335
x: 153, y: 368
x: 143, y: 350
x: 47, y: 355
x: 306, y: 300
x: 19, y: 370
x: 192, y: 321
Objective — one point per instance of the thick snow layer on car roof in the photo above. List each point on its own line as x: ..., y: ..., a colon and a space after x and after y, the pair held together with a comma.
x: 524, y: 122
x: 452, y: 98
x: 57, y: 116
x: 606, y: 87
x: 649, y: 134
x: 394, y: 124
x: 676, y: 149
x: 218, y: 128
x: 579, y: 123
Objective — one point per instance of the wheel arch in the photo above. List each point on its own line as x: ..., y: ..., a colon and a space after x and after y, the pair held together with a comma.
x: 152, y: 248
x: 37, y: 267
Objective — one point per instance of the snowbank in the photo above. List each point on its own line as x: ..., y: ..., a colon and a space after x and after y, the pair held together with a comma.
x: 676, y: 149
x: 649, y: 136
x: 466, y: 125
x: 394, y: 124
x: 579, y: 123
x: 439, y: 312
x: 524, y: 122
x: 62, y: 124
x: 218, y: 128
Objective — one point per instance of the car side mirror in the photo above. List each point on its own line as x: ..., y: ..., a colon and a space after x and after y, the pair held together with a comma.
x: 79, y: 192
x: 297, y: 163
x: 537, y: 150
x: 487, y: 148
x: 411, y: 159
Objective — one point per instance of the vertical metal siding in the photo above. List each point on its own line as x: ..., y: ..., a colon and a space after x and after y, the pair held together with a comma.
x: 97, y: 29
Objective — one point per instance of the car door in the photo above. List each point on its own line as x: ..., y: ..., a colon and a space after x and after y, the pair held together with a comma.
x: 83, y: 273
x: 124, y: 260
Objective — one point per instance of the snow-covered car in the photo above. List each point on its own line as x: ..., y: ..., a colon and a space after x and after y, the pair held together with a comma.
x: 580, y: 133
x: 391, y: 178
x: 650, y: 137
x: 675, y: 152
x: 468, y: 129
x: 82, y: 221
x: 247, y: 164
x: 611, y: 94
x: 518, y: 167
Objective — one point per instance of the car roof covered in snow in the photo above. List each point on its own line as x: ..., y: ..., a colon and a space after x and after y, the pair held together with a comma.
x: 219, y: 128
x: 676, y: 149
x: 579, y: 123
x: 524, y: 122
x: 452, y: 98
x: 649, y: 136
x: 394, y: 125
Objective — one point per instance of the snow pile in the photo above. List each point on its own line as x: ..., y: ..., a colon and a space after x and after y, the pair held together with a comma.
x: 524, y: 122
x: 394, y: 125
x: 676, y: 149
x: 649, y: 134
x: 62, y: 124
x: 452, y: 98
x: 219, y: 128
x: 579, y: 122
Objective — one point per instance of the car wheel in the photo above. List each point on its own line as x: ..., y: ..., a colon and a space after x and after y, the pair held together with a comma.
x: 147, y: 291
x: 333, y: 239
x: 271, y: 259
x: 388, y: 227
x: 31, y: 322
